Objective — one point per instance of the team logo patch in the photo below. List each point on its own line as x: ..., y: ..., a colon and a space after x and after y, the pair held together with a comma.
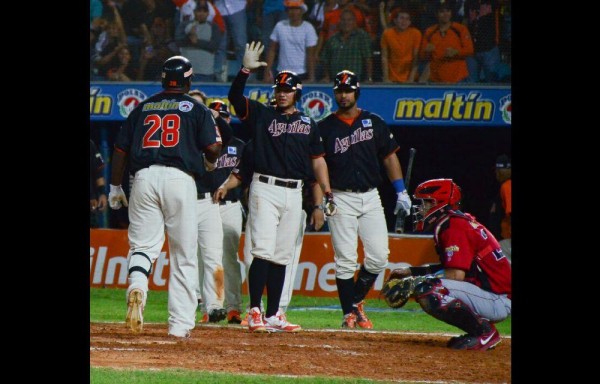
x: 306, y: 119
x: 316, y: 104
x: 185, y: 106
x: 231, y: 150
x: 506, y: 108
x: 128, y: 99
x: 450, y: 251
x: 367, y: 123
x: 483, y: 234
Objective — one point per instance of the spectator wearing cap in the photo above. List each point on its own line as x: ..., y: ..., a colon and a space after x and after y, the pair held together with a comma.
x: 501, y: 210
x: 293, y: 43
x: 446, y: 45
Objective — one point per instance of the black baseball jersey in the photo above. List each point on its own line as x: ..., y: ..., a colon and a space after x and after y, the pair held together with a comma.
x: 229, y: 158
x: 96, y: 166
x: 285, y: 143
x: 170, y: 129
x: 354, y: 153
x: 245, y: 167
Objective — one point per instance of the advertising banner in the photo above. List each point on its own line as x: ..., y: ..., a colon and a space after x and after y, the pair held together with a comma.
x: 315, y: 275
x: 458, y: 105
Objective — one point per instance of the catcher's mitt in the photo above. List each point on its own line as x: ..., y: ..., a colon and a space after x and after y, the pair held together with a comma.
x: 396, y: 292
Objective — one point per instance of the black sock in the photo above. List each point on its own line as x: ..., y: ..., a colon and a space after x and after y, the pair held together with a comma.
x: 275, y: 280
x: 345, y: 289
x: 257, y: 279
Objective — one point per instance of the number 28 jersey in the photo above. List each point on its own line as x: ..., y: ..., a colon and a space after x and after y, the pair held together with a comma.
x: 170, y: 129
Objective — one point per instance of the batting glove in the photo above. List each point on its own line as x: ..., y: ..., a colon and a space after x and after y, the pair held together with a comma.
x: 116, y: 197
x: 403, y: 203
x: 208, y: 165
x: 329, y: 206
x: 252, y: 54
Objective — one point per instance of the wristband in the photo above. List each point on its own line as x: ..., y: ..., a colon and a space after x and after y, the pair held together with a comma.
x: 317, y: 207
x: 398, y: 185
x: 245, y: 70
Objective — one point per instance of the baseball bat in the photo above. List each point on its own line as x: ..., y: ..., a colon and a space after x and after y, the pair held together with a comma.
x: 401, y: 215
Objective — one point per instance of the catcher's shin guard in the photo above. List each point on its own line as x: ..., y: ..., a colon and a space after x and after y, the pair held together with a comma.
x: 363, y: 284
x: 433, y: 298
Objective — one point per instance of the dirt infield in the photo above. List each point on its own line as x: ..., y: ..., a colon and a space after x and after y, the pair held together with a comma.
x: 353, y: 354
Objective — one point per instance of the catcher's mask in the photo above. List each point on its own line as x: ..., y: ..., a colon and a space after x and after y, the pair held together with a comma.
x: 347, y: 80
x: 432, y: 199
x: 289, y: 80
x: 176, y: 73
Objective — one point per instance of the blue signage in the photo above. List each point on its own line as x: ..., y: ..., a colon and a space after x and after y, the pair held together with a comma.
x: 409, y: 105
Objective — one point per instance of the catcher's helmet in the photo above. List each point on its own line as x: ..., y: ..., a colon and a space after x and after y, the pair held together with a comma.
x: 176, y: 73
x: 220, y: 106
x: 347, y: 79
x: 291, y: 80
x: 441, y: 194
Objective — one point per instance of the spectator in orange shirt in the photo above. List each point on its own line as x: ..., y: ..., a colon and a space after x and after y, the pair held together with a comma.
x: 400, y: 49
x: 446, y: 45
x: 502, y: 207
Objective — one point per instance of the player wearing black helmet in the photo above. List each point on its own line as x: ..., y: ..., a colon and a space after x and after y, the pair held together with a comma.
x: 168, y: 139
x: 356, y: 143
x: 287, y: 151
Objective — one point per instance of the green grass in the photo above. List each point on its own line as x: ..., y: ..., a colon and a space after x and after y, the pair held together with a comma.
x: 108, y: 305
x: 180, y: 376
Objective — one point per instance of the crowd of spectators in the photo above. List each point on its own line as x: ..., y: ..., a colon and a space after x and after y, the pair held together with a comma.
x: 400, y: 41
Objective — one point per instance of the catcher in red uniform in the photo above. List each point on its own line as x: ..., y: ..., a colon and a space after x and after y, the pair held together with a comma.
x: 472, y: 289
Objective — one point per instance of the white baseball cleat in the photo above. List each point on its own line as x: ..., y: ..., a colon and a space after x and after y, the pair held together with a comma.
x: 278, y: 323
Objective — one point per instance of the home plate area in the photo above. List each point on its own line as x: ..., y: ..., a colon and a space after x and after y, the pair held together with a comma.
x: 392, y: 356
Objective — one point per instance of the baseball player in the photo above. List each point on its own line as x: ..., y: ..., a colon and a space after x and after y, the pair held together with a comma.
x: 231, y: 212
x: 287, y: 146
x: 474, y: 290
x: 241, y: 175
x: 356, y: 142
x: 210, y: 289
x: 167, y: 140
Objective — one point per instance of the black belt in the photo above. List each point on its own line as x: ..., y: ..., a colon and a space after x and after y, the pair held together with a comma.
x: 279, y: 182
x: 223, y: 202
x: 357, y: 190
x: 205, y: 195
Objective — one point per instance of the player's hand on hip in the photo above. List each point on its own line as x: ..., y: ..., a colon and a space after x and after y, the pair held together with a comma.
x: 116, y: 197
x: 219, y: 194
x: 252, y: 55
x: 403, y: 204
x: 329, y: 206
